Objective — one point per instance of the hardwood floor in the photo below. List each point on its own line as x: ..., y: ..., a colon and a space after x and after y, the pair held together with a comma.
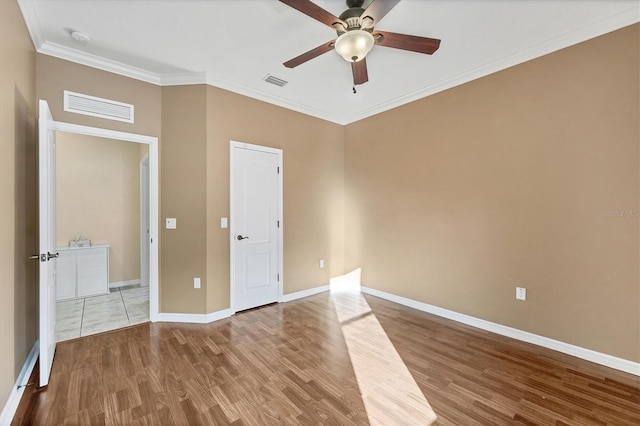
x: 324, y: 360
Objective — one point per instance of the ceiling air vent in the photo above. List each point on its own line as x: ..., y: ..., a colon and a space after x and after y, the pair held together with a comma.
x: 97, y: 107
x: 275, y: 80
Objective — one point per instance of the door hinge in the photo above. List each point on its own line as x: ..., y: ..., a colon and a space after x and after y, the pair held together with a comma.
x: 278, y: 277
x: 278, y: 169
x: 278, y: 223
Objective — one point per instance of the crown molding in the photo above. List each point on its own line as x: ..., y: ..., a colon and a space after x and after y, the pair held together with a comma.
x: 178, y: 79
x: 183, y: 78
x: 95, y: 61
x: 587, y: 32
x: 187, y: 78
x: 272, y: 99
x: 30, y: 15
x: 595, y: 29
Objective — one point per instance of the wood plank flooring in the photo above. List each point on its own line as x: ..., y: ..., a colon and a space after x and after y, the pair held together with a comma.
x: 290, y: 364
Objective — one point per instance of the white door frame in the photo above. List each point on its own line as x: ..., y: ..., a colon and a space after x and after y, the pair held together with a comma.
x: 232, y: 255
x: 152, y: 141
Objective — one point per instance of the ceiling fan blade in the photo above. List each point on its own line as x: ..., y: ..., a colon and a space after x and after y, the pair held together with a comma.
x: 407, y: 42
x: 359, y: 70
x: 306, y: 56
x: 378, y: 8
x: 313, y: 10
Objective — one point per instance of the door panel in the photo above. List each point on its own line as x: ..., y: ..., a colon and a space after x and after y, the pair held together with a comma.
x: 256, y: 208
x: 47, y: 237
x: 258, y: 267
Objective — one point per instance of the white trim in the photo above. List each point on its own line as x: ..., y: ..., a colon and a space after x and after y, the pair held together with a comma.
x: 11, y: 405
x: 196, y: 318
x: 103, y: 133
x: 30, y: 15
x: 95, y: 61
x: 118, y: 284
x: 580, y: 35
x: 274, y: 99
x: 304, y: 293
x: 232, y: 255
x: 183, y: 78
x: 595, y: 29
x: 154, y: 237
x: 556, y: 345
x: 154, y: 206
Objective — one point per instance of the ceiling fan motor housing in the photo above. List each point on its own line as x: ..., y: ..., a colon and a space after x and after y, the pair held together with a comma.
x: 354, y: 3
x: 354, y: 12
x: 354, y: 18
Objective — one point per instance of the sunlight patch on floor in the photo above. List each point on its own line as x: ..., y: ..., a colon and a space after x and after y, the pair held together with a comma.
x: 389, y: 392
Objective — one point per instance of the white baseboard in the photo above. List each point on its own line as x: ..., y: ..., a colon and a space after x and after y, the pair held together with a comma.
x: 118, y: 284
x: 11, y: 406
x: 195, y: 318
x: 225, y: 313
x: 556, y: 345
x: 304, y: 293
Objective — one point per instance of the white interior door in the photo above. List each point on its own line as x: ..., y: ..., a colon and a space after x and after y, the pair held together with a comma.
x: 255, y: 219
x: 47, y: 231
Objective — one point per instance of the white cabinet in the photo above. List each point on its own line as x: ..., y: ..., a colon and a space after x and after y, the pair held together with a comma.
x: 82, y: 271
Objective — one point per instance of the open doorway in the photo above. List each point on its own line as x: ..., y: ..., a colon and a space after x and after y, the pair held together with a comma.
x: 147, y: 155
x: 47, y: 244
x: 102, y: 268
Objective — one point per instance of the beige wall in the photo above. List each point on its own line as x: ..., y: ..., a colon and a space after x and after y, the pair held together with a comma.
x: 98, y: 196
x: 313, y: 174
x: 184, y: 193
x: 452, y: 200
x: 198, y: 122
x: 54, y: 76
x: 506, y: 181
x: 18, y: 200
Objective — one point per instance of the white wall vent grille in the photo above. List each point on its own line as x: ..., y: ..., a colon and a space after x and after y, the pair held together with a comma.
x: 275, y: 80
x: 97, y: 107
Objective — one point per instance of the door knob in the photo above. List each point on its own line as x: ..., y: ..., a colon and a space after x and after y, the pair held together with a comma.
x: 240, y: 238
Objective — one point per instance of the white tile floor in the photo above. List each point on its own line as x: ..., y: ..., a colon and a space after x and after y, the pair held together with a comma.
x: 91, y: 315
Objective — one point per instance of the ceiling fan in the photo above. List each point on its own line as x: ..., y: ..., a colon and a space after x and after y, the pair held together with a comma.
x: 356, y: 35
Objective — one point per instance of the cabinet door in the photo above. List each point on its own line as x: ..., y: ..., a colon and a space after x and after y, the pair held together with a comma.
x: 66, y: 275
x: 92, y: 272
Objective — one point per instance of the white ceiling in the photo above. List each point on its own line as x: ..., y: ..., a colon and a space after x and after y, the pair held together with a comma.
x: 234, y: 44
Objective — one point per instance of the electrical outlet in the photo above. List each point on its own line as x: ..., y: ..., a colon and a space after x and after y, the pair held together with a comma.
x: 321, y: 263
x: 196, y: 283
x: 521, y: 293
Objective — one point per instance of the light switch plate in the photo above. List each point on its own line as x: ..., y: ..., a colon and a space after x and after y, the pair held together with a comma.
x: 171, y: 223
x: 196, y: 283
x: 521, y: 293
x: 224, y: 223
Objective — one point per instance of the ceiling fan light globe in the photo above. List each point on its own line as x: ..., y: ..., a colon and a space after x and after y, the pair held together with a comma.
x: 354, y: 45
